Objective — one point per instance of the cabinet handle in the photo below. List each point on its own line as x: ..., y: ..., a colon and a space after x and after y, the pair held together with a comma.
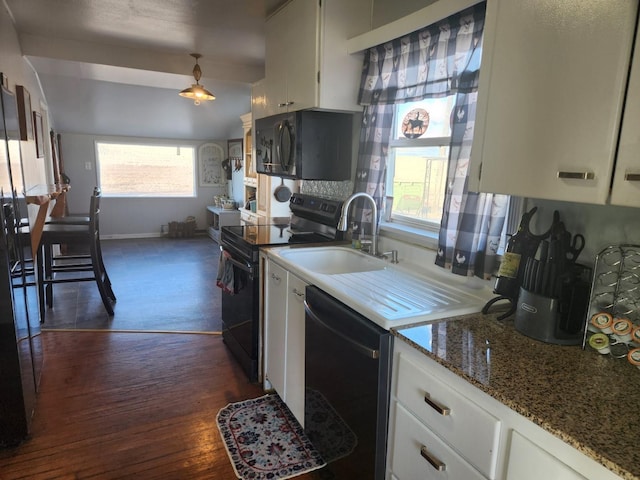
x: 441, y: 409
x: 298, y: 292
x: 285, y: 104
x: 433, y: 461
x: 632, y: 177
x: 577, y: 175
x: 275, y: 277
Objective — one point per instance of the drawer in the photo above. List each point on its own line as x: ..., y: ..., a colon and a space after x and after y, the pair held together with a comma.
x: 469, y: 429
x: 413, y: 443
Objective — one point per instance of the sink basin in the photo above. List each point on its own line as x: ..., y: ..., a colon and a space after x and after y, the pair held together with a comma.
x: 332, y: 260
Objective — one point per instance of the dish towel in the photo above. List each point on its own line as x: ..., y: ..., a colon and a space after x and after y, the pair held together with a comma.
x: 224, y: 279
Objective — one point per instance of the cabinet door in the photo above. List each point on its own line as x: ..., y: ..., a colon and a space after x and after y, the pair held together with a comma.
x: 291, y: 57
x: 295, y: 347
x: 259, y: 106
x: 275, y: 327
x: 626, y: 180
x: 275, y: 81
x: 262, y: 194
x: 550, y: 98
x: 302, y: 54
x: 527, y: 461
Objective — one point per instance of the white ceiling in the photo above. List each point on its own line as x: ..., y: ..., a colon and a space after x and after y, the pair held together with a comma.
x: 96, y: 60
x: 144, y: 42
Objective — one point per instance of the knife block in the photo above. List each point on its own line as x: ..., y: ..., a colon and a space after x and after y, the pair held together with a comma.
x: 554, y: 320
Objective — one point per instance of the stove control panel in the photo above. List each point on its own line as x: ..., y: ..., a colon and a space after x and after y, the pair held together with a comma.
x: 309, y: 206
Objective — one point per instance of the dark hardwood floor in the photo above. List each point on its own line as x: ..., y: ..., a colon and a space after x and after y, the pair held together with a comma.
x: 124, y: 405
x: 161, y: 284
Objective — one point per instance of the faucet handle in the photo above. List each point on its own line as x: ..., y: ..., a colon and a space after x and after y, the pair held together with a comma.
x: 391, y: 253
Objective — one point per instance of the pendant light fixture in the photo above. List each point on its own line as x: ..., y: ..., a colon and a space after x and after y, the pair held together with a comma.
x: 197, y: 92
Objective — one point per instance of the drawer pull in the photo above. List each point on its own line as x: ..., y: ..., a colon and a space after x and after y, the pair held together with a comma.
x: 632, y: 177
x: 577, y: 175
x: 441, y: 409
x: 298, y: 292
x: 433, y: 461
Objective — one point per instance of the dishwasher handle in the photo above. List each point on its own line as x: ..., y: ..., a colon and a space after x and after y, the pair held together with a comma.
x: 363, y: 349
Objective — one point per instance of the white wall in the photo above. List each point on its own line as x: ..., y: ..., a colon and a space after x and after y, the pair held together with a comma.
x: 19, y: 72
x: 128, y: 216
x: 601, y: 225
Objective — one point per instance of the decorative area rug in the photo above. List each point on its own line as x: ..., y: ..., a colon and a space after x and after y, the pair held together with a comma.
x: 265, y: 441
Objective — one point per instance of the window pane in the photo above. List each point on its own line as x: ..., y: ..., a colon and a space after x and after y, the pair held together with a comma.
x: 419, y: 182
x: 146, y: 170
x: 424, y: 119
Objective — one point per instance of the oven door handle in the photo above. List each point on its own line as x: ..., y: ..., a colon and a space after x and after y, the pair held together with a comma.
x: 363, y: 349
x: 247, y: 267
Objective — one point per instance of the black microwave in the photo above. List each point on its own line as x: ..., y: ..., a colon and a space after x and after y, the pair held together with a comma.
x: 308, y: 145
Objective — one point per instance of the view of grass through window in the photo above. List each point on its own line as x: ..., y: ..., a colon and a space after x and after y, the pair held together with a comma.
x: 419, y: 182
x: 138, y: 170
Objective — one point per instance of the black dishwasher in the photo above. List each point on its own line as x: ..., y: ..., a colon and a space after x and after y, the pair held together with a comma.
x: 347, y: 387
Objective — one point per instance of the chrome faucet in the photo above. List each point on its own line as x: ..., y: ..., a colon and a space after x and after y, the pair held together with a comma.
x: 343, y: 223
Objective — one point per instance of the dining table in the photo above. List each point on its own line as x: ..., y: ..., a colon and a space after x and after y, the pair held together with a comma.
x: 43, y: 195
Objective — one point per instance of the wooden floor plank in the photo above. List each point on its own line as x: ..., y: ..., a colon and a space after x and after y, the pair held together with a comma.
x: 130, y: 405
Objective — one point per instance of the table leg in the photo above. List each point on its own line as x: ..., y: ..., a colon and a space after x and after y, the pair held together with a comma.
x: 36, y: 229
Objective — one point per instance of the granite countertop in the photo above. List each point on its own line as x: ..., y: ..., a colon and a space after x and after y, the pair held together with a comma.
x: 588, y: 400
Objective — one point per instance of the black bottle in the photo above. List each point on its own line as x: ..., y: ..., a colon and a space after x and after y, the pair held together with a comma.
x: 522, y: 245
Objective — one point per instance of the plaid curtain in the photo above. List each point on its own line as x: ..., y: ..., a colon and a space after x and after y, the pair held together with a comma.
x: 436, y: 61
x: 471, y: 223
x: 375, y: 131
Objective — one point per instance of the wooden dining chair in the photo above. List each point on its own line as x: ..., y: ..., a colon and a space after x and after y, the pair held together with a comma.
x: 81, y: 235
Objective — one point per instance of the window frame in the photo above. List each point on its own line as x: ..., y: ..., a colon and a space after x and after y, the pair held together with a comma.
x: 415, y: 225
x: 148, y: 142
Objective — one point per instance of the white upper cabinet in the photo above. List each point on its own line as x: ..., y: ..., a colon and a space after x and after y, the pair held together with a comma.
x: 626, y: 179
x: 551, y: 96
x: 307, y: 64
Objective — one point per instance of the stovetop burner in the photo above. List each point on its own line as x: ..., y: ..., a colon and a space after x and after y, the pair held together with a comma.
x: 313, y: 220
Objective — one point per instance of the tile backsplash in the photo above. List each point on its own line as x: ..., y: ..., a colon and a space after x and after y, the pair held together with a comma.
x: 338, y: 190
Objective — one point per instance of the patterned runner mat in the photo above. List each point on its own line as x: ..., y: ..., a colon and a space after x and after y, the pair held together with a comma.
x: 265, y: 441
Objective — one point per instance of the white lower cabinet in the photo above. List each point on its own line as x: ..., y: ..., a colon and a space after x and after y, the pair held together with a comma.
x: 419, y: 453
x: 442, y: 427
x: 438, y: 433
x: 528, y: 461
x: 284, y: 336
x: 460, y: 422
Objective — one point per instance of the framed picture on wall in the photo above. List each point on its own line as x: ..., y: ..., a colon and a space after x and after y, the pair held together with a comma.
x: 24, y: 113
x: 37, y: 122
x: 211, y: 173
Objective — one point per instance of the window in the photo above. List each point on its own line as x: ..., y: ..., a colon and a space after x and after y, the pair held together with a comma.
x: 144, y: 170
x: 418, y: 161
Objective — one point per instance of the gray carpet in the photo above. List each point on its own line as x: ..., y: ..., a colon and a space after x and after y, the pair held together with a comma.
x: 162, y: 285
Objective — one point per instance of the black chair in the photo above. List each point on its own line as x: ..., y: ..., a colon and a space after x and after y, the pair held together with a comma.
x: 18, y: 241
x: 66, y: 268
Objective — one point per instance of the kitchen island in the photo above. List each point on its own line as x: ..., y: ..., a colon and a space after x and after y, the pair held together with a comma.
x: 587, y: 400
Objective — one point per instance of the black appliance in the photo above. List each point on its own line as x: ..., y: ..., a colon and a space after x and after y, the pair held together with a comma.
x: 313, y: 220
x: 348, y: 373
x: 307, y: 145
x: 21, y: 353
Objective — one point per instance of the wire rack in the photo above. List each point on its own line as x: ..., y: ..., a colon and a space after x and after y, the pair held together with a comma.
x: 615, y: 289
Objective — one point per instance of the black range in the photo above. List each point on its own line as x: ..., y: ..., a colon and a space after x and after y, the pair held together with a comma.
x: 313, y: 220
